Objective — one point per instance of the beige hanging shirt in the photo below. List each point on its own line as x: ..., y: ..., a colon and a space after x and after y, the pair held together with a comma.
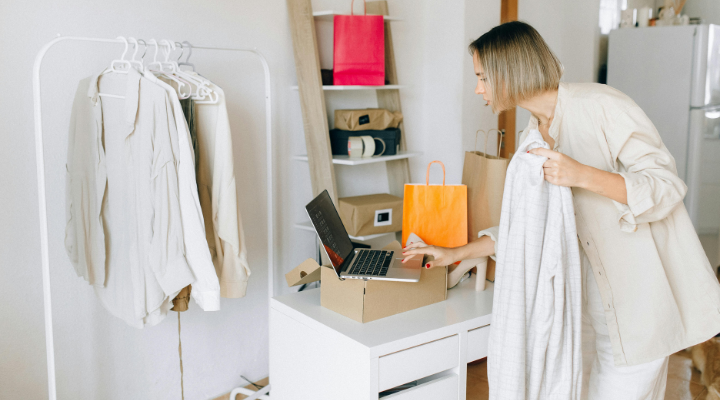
x: 218, y: 197
x: 658, y: 289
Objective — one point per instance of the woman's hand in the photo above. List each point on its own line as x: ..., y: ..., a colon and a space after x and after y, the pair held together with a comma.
x: 562, y: 170
x: 443, y: 255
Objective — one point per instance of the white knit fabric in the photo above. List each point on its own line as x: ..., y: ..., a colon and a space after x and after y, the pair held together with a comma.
x: 535, y: 344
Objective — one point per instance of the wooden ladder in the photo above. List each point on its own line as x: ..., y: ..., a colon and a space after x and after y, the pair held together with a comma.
x: 312, y: 99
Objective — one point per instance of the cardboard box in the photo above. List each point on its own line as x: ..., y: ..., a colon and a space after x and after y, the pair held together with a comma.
x: 371, y: 214
x: 366, y: 301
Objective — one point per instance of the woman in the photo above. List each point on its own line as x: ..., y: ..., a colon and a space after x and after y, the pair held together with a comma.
x: 648, y: 288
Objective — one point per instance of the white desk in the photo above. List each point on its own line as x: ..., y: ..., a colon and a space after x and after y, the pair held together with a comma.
x: 317, y: 354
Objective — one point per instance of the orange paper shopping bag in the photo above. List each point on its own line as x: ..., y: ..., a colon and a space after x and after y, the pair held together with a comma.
x: 436, y: 213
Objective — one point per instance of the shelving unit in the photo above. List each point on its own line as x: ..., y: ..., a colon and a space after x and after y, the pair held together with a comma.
x: 352, y: 87
x: 307, y: 226
x: 346, y: 160
x: 312, y: 102
x: 328, y: 16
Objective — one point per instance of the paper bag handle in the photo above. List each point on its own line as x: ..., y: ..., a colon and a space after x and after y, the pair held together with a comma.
x: 352, y: 5
x: 427, y: 176
x: 487, y: 135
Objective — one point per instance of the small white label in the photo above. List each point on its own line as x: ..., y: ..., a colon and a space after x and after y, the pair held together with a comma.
x: 383, y: 217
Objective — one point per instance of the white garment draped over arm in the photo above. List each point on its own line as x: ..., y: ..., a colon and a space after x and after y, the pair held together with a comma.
x: 535, y: 344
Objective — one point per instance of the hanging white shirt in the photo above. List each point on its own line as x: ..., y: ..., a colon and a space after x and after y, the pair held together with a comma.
x: 218, y: 197
x: 206, y: 289
x: 122, y: 182
x: 535, y: 344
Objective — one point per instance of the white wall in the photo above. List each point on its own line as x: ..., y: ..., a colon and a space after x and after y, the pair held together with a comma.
x: 479, y: 18
x: 97, y: 355
x: 571, y: 29
x: 708, y: 10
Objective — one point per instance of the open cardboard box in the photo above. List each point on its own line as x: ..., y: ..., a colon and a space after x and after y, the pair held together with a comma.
x: 366, y: 301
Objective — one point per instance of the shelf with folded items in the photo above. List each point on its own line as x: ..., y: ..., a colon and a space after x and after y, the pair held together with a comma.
x: 356, y: 87
x: 307, y: 226
x: 328, y: 16
x: 346, y: 160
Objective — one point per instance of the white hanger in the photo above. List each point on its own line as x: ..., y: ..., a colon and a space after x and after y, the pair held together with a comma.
x: 170, y: 69
x: 120, y: 66
x: 203, y: 92
x: 187, y: 60
x: 137, y: 64
x: 157, y: 67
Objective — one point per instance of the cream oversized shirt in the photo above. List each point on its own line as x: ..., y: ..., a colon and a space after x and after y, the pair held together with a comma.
x: 659, y: 291
x: 124, y: 229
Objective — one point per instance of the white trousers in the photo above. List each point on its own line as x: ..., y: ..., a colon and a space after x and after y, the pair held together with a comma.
x: 602, y: 380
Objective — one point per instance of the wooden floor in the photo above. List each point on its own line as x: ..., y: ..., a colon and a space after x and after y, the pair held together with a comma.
x: 683, y: 380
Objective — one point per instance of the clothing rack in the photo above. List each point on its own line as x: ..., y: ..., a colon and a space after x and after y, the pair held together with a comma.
x: 42, y: 203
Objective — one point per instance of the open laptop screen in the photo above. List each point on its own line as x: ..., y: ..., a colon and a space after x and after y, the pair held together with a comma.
x: 330, y: 229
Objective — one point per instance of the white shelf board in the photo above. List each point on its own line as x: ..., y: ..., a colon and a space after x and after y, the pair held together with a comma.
x: 346, y: 160
x: 328, y: 16
x: 307, y: 226
x: 356, y: 87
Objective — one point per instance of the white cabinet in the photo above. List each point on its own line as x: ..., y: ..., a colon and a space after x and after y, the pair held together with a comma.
x: 316, y: 353
x: 442, y: 388
x: 417, y: 362
x: 478, y: 343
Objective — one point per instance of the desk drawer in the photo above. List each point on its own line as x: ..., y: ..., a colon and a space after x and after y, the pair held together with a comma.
x: 417, y: 362
x: 444, y: 388
x: 478, y: 343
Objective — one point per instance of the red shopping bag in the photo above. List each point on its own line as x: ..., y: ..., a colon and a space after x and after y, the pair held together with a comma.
x: 359, y: 50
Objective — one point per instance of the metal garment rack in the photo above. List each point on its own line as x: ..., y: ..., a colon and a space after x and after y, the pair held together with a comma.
x: 42, y: 203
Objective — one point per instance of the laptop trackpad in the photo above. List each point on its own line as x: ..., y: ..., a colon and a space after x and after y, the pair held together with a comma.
x: 415, y: 262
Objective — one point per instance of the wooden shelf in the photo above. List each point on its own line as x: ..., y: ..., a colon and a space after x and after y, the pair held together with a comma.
x: 327, y: 16
x: 346, y: 160
x: 356, y: 87
x: 307, y: 226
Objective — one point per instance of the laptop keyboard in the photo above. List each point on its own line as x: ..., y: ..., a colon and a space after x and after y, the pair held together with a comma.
x: 372, y: 262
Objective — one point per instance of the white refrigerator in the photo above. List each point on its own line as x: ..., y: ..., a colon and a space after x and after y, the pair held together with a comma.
x: 673, y: 74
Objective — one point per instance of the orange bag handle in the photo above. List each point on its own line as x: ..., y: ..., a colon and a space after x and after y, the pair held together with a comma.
x: 427, y: 180
x: 352, y: 4
x: 427, y: 176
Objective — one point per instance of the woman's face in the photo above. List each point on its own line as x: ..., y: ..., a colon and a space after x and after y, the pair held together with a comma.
x: 481, y: 88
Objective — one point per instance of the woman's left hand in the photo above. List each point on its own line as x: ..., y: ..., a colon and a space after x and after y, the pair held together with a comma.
x: 562, y: 170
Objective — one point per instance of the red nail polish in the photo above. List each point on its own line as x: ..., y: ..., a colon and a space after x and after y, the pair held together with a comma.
x: 528, y: 151
x: 427, y: 265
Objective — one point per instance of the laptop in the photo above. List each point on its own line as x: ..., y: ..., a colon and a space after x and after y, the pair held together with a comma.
x: 350, y: 263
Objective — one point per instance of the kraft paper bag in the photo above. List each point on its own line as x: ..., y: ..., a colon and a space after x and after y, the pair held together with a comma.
x: 436, y: 213
x: 484, y: 176
x: 376, y: 119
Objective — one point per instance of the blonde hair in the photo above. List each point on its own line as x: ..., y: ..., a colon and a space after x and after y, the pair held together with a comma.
x: 517, y: 63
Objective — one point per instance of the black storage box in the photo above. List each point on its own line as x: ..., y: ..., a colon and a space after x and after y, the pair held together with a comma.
x: 391, y: 137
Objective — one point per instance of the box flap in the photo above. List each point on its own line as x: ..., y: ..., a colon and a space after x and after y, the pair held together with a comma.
x: 394, y: 246
x: 308, y: 271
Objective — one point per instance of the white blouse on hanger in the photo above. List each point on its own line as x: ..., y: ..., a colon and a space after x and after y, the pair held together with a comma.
x: 206, y: 289
x: 122, y: 186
